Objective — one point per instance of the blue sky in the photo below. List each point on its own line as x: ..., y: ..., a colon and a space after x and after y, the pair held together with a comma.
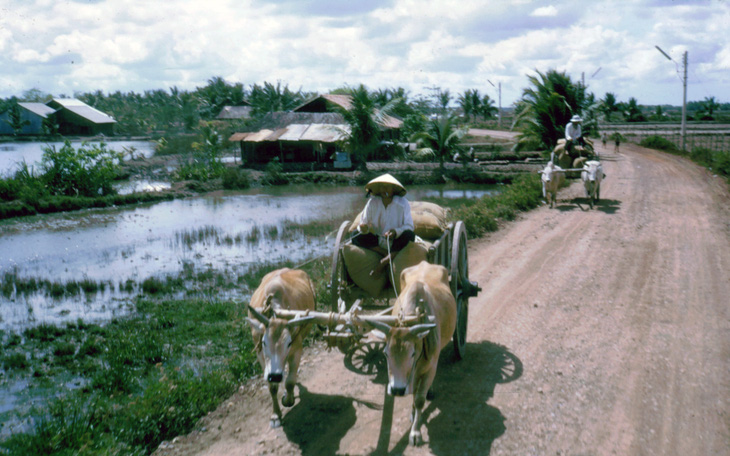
x: 68, y: 46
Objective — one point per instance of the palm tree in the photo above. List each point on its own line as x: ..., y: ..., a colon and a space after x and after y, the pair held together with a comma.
x: 487, y: 108
x: 364, y: 119
x: 633, y: 112
x: 470, y: 102
x: 546, y: 107
x: 441, y: 139
x: 272, y: 98
x: 609, y: 105
x: 444, y: 98
x: 711, y: 104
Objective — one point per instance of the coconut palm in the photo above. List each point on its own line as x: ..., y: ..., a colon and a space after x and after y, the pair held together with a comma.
x: 470, y: 102
x: 633, y: 112
x: 545, y: 108
x: 487, y: 108
x: 609, y: 105
x: 444, y: 97
x: 364, y: 119
x: 441, y: 139
x: 272, y: 98
x: 711, y: 104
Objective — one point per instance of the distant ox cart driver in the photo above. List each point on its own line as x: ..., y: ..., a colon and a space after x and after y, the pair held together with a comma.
x: 573, y: 134
x: 386, y: 225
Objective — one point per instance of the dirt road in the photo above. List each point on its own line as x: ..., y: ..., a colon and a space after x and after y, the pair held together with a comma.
x: 599, y: 332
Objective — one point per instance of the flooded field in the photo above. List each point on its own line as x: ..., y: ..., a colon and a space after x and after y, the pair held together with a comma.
x: 93, y: 262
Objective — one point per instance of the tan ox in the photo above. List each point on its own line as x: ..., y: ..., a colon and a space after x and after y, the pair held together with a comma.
x: 413, y: 352
x: 278, y: 342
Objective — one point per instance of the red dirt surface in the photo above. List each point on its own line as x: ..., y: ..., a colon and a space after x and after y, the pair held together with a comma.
x: 598, y: 332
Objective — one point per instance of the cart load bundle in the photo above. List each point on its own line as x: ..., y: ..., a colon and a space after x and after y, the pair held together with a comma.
x: 429, y: 220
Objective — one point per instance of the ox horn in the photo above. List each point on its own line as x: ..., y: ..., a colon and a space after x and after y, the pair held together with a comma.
x: 258, y: 315
x: 421, y: 330
x: 379, y: 325
x: 299, y: 321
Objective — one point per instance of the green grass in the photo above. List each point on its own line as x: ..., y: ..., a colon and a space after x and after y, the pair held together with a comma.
x: 484, y: 215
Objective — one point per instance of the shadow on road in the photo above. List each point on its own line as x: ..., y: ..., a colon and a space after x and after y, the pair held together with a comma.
x: 607, y: 206
x: 318, y: 422
x: 464, y: 424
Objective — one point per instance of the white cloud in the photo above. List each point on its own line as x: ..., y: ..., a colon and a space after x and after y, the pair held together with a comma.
x: 455, y: 44
x: 545, y: 11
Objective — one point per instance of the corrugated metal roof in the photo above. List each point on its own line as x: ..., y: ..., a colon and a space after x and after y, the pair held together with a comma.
x: 325, y: 133
x: 258, y: 136
x: 297, y: 132
x: 276, y: 134
x: 39, y: 109
x: 294, y: 132
x: 80, y: 108
x: 238, y: 136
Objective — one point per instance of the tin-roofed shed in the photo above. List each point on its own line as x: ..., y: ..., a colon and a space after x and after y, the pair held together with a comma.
x: 32, y: 116
x: 75, y: 117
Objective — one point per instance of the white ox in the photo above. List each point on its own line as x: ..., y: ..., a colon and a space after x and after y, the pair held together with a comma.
x: 553, y: 177
x: 278, y: 342
x: 413, y: 352
x: 592, y: 176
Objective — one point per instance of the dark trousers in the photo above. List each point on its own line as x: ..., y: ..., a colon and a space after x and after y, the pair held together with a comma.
x: 370, y: 240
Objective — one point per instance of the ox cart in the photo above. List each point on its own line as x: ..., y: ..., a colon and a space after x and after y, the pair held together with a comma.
x: 346, y: 323
x: 449, y: 249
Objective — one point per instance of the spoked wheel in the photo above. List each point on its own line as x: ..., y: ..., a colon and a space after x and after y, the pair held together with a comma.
x: 459, y: 281
x: 338, y: 267
x: 367, y: 359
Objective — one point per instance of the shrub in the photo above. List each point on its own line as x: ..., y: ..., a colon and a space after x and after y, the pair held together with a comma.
x: 235, y: 179
x: 86, y: 171
x: 179, y: 144
x: 658, y: 142
x: 274, y: 174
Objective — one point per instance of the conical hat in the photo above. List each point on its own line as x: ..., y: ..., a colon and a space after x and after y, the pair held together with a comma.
x: 386, y: 179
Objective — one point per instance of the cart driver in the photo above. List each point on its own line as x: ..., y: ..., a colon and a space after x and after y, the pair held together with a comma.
x: 386, y: 225
x: 573, y: 134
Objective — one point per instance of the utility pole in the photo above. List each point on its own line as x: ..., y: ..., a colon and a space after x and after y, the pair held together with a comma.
x: 684, y: 104
x: 499, y: 111
x: 684, y: 95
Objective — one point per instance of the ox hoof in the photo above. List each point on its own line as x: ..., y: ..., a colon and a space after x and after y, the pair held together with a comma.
x: 430, y: 394
x: 287, y: 400
x: 275, y: 422
x: 415, y: 439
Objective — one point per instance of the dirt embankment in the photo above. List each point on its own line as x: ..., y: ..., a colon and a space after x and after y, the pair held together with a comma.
x: 598, y: 332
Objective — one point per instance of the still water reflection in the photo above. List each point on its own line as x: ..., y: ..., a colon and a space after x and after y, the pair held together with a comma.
x: 134, y: 243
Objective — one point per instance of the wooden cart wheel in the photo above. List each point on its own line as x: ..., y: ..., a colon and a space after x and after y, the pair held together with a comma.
x: 338, y: 266
x: 367, y: 359
x: 459, y: 278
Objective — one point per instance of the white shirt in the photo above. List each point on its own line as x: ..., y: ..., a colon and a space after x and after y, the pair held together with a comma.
x: 397, y: 216
x: 572, y: 131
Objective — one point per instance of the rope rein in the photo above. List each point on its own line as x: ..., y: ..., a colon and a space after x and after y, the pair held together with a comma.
x: 392, y: 274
